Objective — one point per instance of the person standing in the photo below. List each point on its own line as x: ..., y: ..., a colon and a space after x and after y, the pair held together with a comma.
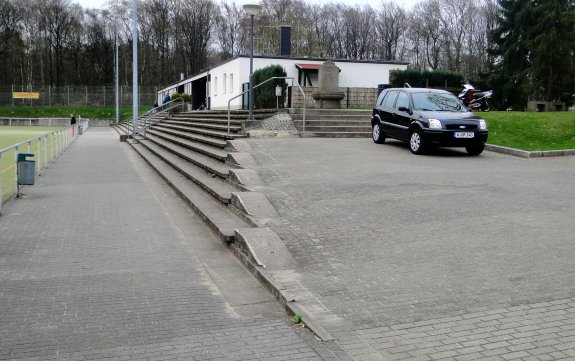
x: 166, y: 100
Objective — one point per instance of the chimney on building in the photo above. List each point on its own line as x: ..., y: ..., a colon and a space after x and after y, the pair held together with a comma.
x: 285, y: 40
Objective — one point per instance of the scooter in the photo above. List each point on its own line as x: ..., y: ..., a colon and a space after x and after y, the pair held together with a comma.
x: 475, y: 99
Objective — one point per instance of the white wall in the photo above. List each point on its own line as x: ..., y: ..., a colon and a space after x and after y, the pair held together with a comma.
x: 365, y: 75
x: 352, y: 75
x: 220, y: 94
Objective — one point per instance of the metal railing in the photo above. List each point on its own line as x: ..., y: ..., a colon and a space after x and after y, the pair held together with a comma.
x: 262, y: 83
x: 151, y: 117
x: 45, y: 148
x: 31, y: 122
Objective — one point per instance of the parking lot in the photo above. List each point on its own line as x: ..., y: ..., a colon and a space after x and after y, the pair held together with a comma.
x: 429, y: 257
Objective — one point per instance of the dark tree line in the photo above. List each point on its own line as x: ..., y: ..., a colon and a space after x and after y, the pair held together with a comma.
x: 534, y: 50
x: 523, y: 47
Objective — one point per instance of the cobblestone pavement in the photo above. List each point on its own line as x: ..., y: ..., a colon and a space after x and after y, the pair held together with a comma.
x: 100, y: 260
x: 431, y: 257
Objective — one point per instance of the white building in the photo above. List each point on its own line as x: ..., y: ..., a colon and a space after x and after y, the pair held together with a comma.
x: 217, y: 86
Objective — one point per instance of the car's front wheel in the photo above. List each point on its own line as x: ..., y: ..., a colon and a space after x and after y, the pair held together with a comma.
x: 377, y: 134
x: 475, y: 149
x: 416, y: 142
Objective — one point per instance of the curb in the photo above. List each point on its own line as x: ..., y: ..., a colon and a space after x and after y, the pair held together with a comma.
x: 528, y: 154
x: 290, y: 304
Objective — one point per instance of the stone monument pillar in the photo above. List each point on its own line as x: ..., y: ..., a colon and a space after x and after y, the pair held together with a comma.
x: 328, y: 94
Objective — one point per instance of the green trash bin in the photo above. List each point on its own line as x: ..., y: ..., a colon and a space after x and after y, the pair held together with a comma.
x: 25, y: 168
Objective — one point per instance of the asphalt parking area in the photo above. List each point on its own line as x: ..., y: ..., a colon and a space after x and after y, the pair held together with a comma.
x: 389, y: 241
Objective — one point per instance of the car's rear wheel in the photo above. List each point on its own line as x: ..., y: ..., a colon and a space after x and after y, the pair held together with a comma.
x: 475, y: 149
x: 416, y: 142
x: 377, y: 134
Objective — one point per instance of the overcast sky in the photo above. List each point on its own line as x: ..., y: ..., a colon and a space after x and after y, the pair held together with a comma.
x: 374, y: 3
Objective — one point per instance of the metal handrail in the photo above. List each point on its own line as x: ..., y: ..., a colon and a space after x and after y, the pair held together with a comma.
x: 30, y: 119
x: 152, y: 113
x: 62, y: 138
x: 147, y: 117
x: 262, y: 83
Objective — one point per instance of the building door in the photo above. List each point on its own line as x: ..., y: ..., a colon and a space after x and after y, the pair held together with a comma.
x: 246, y: 96
x: 199, y: 93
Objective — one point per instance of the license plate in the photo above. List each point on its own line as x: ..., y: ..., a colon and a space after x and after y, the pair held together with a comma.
x: 464, y: 134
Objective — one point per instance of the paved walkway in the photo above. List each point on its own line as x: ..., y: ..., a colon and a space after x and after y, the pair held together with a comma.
x: 429, y: 257
x: 101, y: 260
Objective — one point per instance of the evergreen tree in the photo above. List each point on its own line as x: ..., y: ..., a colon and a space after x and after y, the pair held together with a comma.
x: 265, y: 95
x: 553, y: 48
x: 534, y: 50
x: 511, y: 50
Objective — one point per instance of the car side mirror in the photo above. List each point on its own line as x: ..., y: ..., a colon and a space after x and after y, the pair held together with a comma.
x: 405, y: 109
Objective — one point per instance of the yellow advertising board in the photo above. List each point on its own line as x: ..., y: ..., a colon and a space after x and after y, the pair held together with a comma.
x: 26, y: 95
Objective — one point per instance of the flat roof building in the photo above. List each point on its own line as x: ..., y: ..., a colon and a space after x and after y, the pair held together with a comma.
x: 216, y: 86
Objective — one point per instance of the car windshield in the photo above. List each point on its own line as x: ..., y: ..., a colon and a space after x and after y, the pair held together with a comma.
x: 437, y: 102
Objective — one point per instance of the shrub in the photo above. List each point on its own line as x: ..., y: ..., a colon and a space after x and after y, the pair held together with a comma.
x: 265, y: 95
x: 424, y: 79
x: 186, y: 97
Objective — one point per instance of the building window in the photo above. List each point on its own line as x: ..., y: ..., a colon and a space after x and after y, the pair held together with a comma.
x: 224, y: 90
x: 215, y: 85
x: 231, y: 83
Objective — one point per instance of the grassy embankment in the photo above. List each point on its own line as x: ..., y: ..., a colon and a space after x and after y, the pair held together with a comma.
x: 520, y: 130
x: 64, y: 112
x: 531, y: 131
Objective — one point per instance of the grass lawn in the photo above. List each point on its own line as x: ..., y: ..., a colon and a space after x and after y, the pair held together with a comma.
x: 14, y: 135
x: 531, y: 131
x: 64, y: 112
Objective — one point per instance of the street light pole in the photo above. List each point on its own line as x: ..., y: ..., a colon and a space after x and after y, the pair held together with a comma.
x: 135, y: 67
x: 117, y: 66
x: 252, y: 10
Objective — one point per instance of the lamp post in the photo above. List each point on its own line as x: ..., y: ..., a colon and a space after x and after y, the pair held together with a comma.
x: 135, y: 67
x: 252, y: 10
x: 117, y: 66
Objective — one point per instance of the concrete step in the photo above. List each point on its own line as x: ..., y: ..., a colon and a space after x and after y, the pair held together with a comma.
x: 218, y: 217
x: 333, y: 112
x: 121, y: 128
x: 332, y: 117
x: 214, y: 152
x: 210, y: 115
x: 214, y: 142
x: 337, y: 128
x: 234, y: 128
x: 333, y: 122
x: 318, y: 134
x: 234, y: 114
x: 200, y: 131
x: 208, y: 120
x: 207, y: 163
x: 219, y: 189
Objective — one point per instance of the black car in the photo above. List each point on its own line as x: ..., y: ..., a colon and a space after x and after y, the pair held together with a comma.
x: 427, y: 117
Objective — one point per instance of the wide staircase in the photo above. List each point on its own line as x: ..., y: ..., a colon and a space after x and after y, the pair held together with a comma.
x: 336, y: 123
x: 189, y: 150
x: 194, y: 152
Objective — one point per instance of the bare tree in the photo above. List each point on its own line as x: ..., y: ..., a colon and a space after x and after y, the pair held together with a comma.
x: 194, y: 24
x: 57, y: 23
x: 229, y: 32
x: 456, y: 17
x: 427, y: 25
x: 391, y: 25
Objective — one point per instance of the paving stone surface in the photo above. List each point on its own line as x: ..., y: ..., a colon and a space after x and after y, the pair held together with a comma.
x: 99, y: 260
x: 442, y: 256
